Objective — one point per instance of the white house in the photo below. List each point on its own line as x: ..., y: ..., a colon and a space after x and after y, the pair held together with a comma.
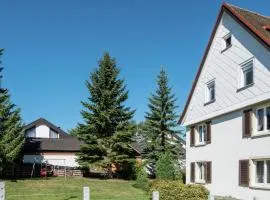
x: 227, y: 113
x: 47, y: 143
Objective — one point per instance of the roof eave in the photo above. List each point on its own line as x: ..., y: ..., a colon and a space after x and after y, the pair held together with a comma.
x: 201, y: 64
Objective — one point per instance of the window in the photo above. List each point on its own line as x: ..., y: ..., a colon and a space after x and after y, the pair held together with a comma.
x: 262, y: 172
x: 53, y: 134
x: 263, y: 119
x: 200, y: 172
x: 210, y: 92
x: 247, y: 73
x: 31, y: 133
x: 201, y: 134
x: 268, y: 117
x: 260, y: 119
x: 227, y: 42
x: 259, y: 171
x: 268, y: 170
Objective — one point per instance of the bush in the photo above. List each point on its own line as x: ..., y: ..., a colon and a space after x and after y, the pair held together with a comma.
x: 142, y: 181
x: 127, y: 171
x: 167, y: 169
x: 173, y: 190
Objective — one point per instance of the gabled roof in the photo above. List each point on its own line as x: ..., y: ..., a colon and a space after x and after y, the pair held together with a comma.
x: 62, y: 134
x: 35, y: 145
x: 65, y: 142
x: 256, y: 24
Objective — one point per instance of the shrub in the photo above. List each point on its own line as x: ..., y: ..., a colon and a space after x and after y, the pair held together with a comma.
x: 167, y: 169
x: 142, y: 181
x: 174, y: 190
x: 127, y: 171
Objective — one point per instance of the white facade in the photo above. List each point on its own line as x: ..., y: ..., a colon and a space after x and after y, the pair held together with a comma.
x: 41, y: 131
x: 227, y: 146
x: 45, y: 143
x: 57, y: 159
x: 224, y: 68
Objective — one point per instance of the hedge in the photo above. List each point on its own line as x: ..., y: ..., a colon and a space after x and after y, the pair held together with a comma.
x: 174, y: 190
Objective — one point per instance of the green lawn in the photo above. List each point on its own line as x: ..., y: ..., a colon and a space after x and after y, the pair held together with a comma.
x: 71, y: 189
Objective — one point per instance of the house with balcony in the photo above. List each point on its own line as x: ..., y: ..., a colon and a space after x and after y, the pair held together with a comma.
x: 227, y: 113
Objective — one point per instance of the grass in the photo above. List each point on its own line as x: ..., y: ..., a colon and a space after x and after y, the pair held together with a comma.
x: 71, y: 189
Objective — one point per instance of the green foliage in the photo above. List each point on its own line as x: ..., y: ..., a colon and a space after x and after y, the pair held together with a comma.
x: 142, y: 181
x: 107, y: 131
x: 11, y: 129
x: 166, y: 168
x: 161, y: 122
x: 127, y: 170
x: 173, y: 190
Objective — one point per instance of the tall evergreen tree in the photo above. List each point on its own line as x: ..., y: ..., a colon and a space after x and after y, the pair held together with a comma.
x: 107, y: 131
x: 161, y: 121
x: 11, y: 129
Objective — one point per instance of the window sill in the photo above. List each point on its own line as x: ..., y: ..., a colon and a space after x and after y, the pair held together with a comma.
x: 200, y: 144
x: 245, y: 87
x: 260, y: 187
x: 202, y: 182
x: 226, y: 48
x: 209, y: 102
x: 261, y: 134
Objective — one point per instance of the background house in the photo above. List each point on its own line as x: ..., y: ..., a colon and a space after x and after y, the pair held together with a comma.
x: 47, y: 143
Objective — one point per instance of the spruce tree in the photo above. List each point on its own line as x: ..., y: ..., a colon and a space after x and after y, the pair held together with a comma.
x: 106, y: 131
x: 161, y: 122
x: 11, y: 129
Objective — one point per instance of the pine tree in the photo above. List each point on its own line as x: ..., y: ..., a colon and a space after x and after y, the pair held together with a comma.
x: 11, y: 129
x: 161, y: 122
x: 107, y: 131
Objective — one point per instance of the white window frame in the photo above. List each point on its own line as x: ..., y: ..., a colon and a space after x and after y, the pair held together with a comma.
x: 254, y: 173
x: 245, y: 66
x: 225, y: 47
x: 200, y: 172
x: 208, y: 86
x: 265, y: 131
x: 197, y: 138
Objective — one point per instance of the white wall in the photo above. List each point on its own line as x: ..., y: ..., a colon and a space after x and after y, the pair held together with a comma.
x: 225, y: 151
x: 225, y: 68
x: 61, y: 159
x: 228, y: 146
x: 42, y: 131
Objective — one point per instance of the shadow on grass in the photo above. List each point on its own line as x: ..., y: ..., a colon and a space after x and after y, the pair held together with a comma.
x: 23, y: 178
x: 72, y: 197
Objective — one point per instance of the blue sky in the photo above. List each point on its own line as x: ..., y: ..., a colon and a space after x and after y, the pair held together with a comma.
x: 51, y: 47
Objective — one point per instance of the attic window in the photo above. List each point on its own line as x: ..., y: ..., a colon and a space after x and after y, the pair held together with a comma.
x: 227, y: 42
x: 210, y: 92
x: 53, y: 134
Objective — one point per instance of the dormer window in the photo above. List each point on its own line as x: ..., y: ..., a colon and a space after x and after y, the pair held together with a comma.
x: 210, y: 92
x: 227, y: 42
x: 247, y: 73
